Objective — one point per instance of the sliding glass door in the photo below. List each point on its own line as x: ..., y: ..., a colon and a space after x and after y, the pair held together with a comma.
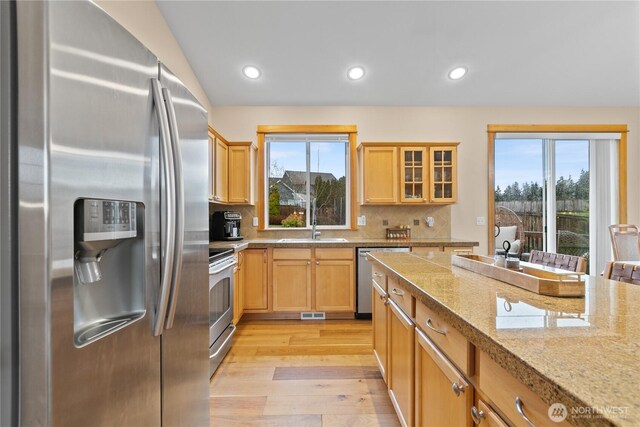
x: 542, y: 187
x: 567, y: 166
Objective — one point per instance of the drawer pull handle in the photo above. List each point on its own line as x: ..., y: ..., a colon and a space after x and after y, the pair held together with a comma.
x: 397, y: 292
x: 376, y: 274
x: 477, y: 415
x: 430, y: 326
x: 386, y: 301
x: 520, y: 409
x: 457, y: 389
x: 383, y: 297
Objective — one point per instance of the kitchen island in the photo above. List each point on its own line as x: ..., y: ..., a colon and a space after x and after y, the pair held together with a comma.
x: 583, y: 353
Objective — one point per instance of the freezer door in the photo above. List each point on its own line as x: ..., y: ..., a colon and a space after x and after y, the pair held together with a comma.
x: 185, y: 342
x: 86, y: 130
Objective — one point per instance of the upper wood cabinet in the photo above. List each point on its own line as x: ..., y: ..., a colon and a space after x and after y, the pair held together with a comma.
x: 409, y: 173
x: 230, y: 170
x: 212, y: 163
x: 413, y: 174
x: 221, y: 189
x: 380, y: 175
x: 239, y: 156
x: 443, y: 165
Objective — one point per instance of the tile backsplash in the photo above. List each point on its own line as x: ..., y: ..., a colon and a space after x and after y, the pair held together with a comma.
x: 394, y: 215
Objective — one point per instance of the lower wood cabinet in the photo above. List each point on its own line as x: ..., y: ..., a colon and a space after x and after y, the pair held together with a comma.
x: 254, y: 280
x: 483, y: 415
x: 380, y: 317
x: 427, y: 364
x: 443, y: 396
x: 334, y: 287
x: 238, y: 296
x: 401, y: 363
x: 511, y: 397
x: 320, y: 279
x: 291, y: 282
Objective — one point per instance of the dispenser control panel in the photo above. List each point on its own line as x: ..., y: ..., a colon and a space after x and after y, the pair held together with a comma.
x: 107, y: 219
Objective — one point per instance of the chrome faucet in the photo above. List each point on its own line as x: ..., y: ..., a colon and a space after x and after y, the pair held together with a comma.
x: 314, y: 219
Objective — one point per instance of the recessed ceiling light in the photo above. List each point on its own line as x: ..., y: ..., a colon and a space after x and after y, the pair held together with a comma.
x: 251, y: 72
x: 457, y: 73
x: 355, y: 73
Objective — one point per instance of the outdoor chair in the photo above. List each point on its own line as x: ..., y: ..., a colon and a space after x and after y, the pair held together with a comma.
x: 509, y: 227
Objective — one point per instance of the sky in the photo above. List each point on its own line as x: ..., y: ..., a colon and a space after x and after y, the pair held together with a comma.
x: 521, y: 160
x: 325, y: 157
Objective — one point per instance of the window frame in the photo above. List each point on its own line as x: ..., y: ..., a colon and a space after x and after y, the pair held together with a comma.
x: 493, y: 129
x: 350, y: 174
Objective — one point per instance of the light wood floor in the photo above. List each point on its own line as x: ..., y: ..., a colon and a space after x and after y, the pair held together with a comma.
x: 301, y: 374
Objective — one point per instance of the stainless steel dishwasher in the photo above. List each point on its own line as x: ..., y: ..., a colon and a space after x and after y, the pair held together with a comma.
x: 363, y: 308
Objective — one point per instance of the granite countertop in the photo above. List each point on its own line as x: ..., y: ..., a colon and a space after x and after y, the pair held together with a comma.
x: 239, y: 245
x: 582, y: 352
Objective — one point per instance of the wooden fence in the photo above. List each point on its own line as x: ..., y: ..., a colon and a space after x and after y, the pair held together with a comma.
x: 537, y: 205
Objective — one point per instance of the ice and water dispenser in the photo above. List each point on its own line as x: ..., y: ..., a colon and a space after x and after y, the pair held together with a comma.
x: 109, y: 267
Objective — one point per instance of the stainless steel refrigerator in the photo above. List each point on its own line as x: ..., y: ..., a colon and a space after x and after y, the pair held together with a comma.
x: 103, y: 227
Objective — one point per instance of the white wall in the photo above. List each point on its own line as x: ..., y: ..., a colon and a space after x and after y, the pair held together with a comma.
x: 466, y: 125
x: 144, y: 20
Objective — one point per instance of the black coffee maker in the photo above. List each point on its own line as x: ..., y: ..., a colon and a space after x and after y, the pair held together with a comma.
x: 225, y: 226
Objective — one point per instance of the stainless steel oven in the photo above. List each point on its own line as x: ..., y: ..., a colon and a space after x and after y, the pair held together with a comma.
x: 221, y: 328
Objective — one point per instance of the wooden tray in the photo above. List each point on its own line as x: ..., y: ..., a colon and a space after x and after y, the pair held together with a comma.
x: 533, y: 277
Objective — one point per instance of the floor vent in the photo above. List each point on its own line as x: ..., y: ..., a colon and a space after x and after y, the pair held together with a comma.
x: 309, y: 315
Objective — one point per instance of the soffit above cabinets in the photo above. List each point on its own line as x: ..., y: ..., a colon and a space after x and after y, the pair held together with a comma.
x: 518, y: 53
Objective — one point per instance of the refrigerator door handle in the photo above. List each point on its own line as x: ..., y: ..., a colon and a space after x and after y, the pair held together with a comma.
x: 179, y: 207
x: 169, y: 225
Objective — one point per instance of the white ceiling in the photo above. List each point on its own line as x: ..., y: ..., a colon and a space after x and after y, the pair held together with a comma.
x: 519, y: 53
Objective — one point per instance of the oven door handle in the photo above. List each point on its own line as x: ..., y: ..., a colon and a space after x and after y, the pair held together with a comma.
x: 224, y: 268
x: 233, y: 331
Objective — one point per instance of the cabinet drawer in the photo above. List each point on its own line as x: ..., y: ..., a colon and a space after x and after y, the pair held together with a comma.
x: 400, y: 296
x: 292, y: 253
x: 379, y: 276
x: 505, y: 391
x: 334, y: 253
x: 425, y: 250
x: 458, y: 249
x: 447, y: 338
x: 483, y: 415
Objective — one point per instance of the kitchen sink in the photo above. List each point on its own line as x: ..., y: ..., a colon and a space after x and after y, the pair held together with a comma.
x: 308, y: 240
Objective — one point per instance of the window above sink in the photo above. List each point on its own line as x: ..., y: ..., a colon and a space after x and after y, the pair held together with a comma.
x: 299, y: 164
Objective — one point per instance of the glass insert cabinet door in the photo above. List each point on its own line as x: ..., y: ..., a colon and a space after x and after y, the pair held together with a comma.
x: 443, y: 170
x: 413, y: 174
